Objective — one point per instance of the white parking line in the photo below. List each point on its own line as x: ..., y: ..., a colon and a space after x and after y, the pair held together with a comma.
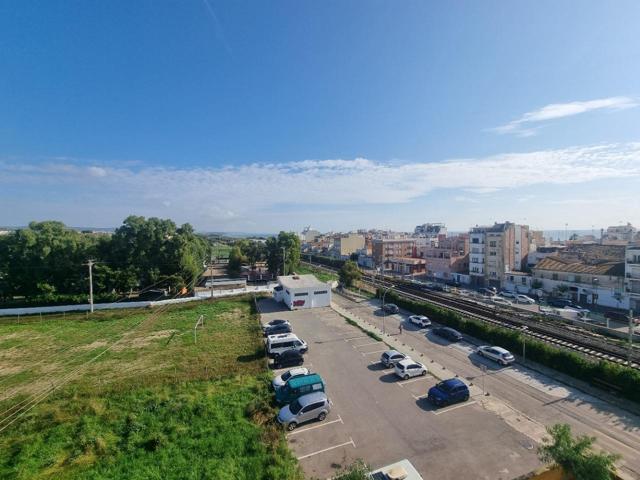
x: 350, y: 442
x: 404, y: 382
x: 365, y: 344
x: 377, y: 351
x: 355, y: 338
x: 453, y: 408
x: 418, y: 397
x: 324, y: 424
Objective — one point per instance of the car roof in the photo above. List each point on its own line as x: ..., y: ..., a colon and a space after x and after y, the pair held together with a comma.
x: 313, y: 397
x: 304, y: 380
x: 390, y: 352
x: 281, y: 336
x: 501, y: 350
x: 453, y: 382
x: 450, y: 329
x: 406, y: 361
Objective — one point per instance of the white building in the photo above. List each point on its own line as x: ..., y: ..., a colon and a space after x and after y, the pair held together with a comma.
x: 302, y: 291
x: 632, y: 276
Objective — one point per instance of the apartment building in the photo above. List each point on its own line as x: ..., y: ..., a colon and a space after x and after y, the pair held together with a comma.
x: 600, y: 283
x: 345, y: 245
x: 495, y: 250
x: 619, y: 235
x: 451, y: 255
x: 632, y: 276
x: 386, y: 248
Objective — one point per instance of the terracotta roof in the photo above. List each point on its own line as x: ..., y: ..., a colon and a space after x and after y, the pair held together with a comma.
x: 561, y: 265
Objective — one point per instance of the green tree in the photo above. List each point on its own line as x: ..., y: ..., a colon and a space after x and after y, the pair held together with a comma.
x: 288, y: 241
x: 575, y: 455
x: 236, y: 259
x: 349, y: 273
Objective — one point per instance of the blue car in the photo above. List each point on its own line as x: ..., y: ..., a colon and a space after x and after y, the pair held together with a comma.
x: 447, y: 392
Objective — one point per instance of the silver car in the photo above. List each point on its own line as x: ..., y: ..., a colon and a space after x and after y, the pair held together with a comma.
x: 391, y: 357
x: 497, y: 354
x: 313, y: 406
x: 280, y: 380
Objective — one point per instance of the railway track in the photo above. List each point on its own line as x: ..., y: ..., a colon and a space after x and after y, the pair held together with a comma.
x: 555, y: 332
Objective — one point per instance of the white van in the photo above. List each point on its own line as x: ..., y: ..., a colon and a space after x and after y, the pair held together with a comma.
x: 276, y: 344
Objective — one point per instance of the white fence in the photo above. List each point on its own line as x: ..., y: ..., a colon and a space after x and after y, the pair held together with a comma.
x: 8, y: 312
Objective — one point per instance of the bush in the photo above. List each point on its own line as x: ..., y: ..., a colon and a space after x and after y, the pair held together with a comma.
x: 625, y: 379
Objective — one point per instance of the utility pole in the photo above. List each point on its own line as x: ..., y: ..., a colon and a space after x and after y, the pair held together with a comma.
x: 630, y: 337
x: 90, y: 264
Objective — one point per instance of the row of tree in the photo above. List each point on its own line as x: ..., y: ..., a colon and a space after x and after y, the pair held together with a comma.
x: 48, y: 259
x: 280, y: 253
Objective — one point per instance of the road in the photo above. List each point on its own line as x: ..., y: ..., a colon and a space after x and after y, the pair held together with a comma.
x: 523, y: 391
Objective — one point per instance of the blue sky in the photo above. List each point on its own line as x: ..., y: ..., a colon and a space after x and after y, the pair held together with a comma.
x: 261, y: 116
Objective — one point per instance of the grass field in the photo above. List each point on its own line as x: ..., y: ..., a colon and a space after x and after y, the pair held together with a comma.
x: 130, y: 395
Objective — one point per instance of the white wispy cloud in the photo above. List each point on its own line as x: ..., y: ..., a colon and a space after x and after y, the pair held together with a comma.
x: 232, y: 196
x: 526, y: 125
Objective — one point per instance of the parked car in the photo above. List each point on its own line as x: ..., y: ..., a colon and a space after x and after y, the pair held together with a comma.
x: 278, y: 344
x: 500, y: 301
x: 313, y: 406
x: 506, y: 294
x: 273, y: 323
x: 581, y: 310
x: 391, y: 357
x: 448, y: 333
x: 447, y: 392
x: 289, y: 358
x: 497, y: 354
x: 488, y: 292
x: 280, y: 380
x: 561, y: 303
x: 408, y: 368
x: 299, y: 386
x: 428, y: 286
x: 390, y: 308
x: 525, y: 299
x: 277, y: 329
x: 420, y: 320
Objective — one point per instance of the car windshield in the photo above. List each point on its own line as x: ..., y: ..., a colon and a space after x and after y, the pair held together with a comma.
x: 295, y: 407
x: 445, y: 387
x: 286, y: 376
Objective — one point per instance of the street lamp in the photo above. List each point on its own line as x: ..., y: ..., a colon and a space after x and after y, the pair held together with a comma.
x: 384, y: 294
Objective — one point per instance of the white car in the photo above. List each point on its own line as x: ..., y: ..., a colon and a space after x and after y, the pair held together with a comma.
x: 506, y: 294
x: 525, y: 299
x: 497, y: 354
x: 409, y: 368
x: 500, y: 301
x: 280, y: 380
x: 420, y: 320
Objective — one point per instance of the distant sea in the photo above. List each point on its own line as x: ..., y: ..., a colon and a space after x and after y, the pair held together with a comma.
x: 562, y: 234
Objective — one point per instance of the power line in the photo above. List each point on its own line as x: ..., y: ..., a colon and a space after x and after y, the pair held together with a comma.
x: 38, y: 397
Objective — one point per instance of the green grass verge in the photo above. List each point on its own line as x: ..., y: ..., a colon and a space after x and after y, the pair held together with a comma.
x: 157, y: 406
x: 364, y: 330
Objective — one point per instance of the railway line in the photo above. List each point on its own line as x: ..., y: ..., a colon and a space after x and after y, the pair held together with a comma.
x: 556, y: 332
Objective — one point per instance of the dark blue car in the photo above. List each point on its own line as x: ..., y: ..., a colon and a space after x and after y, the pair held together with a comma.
x: 448, y: 333
x: 447, y: 392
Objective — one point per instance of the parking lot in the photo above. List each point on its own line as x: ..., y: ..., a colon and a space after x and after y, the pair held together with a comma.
x: 381, y: 419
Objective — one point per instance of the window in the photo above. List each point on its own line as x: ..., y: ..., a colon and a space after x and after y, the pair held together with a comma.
x: 492, y: 243
x: 578, y: 279
x: 524, y: 280
x: 474, y: 240
x: 303, y: 294
x: 554, y: 276
x: 320, y: 292
x: 492, y: 253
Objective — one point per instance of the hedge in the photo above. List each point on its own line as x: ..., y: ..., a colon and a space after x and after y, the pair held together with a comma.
x: 328, y: 261
x: 626, y: 379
